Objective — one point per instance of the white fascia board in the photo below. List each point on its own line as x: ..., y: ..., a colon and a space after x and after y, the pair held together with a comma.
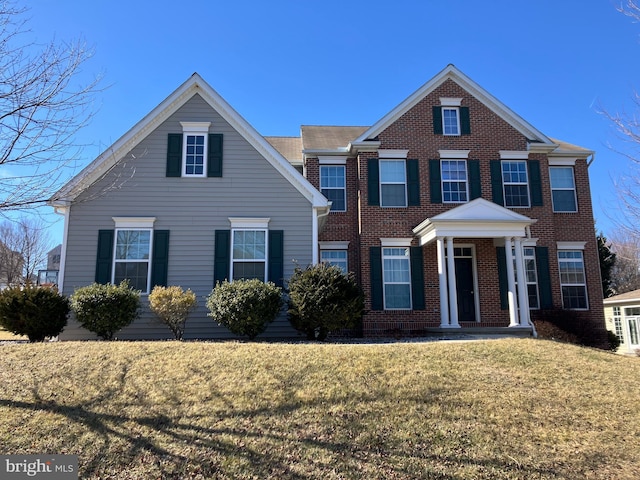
x: 451, y: 72
x: 429, y: 230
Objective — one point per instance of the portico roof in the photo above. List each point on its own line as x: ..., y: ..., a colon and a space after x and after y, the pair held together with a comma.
x: 479, y: 218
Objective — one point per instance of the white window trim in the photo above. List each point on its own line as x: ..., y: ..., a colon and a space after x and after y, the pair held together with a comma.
x: 337, y: 245
x: 454, y: 154
x: 513, y: 155
x: 527, y: 183
x: 570, y: 245
x: 575, y: 197
x: 384, y: 284
x: 458, y: 128
x: 562, y: 162
x: 442, y: 180
x: 115, y: 261
x: 393, y: 154
x: 197, y: 129
x: 450, y: 101
x: 249, y: 223
x: 330, y: 160
x: 133, y: 223
x: 406, y: 194
x: 243, y: 260
x: 584, y: 273
x: 344, y: 169
x: 395, y: 242
x: 529, y: 244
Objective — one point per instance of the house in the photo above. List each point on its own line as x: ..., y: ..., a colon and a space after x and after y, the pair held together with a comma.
x: 49, y: 276
x: 622, y: 314
x: 452, y: 211
x: 11, y: 266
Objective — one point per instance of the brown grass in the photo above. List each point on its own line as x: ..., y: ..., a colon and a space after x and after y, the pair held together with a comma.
x: 505, y: 409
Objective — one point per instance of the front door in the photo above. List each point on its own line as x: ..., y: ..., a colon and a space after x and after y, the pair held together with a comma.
x: 465, y: 289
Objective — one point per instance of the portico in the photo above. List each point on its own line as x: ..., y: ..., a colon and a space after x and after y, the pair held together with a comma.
x: 477, y: 219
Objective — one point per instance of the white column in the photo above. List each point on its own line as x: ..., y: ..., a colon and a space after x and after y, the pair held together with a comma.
x: 523, y: 293
x: 442, y: 279
x: 453, y: 295
x: 511, y: 282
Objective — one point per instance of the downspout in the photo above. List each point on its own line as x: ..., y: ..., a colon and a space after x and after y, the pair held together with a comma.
x: 65, y: 235
x: 315, y: 225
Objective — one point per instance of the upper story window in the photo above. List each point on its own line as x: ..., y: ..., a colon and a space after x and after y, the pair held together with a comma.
x: 451, y: 118
x: 450, y: 121
x: 515, y: 183
x: 194, y: 148
x: 393, y: 183
x: 333, y: 186
x: 455, y: 188
x: 563, y: 189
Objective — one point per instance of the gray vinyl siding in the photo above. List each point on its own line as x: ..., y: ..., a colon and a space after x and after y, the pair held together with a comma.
x: 192, y: 209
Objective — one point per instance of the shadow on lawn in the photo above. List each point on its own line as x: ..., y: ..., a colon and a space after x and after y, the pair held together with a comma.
x: 195, y: 450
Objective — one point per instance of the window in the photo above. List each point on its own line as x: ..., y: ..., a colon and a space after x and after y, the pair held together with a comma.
x: 131, y: 259
x: 454, y: 181
x: 617, y: 323
x: 531, y: 274
x: 515, y: 184
x: 337, y: 258
x: 248, y: 259
x: 563, y: 189
x: 332, y: 186
x: 572, y: 279
x: 194, y: 148
x: 450, y: 121
x: 393, y: 183
x: 396, y: 277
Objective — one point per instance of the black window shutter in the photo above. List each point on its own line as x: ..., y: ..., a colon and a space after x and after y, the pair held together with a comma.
x: 373, y: 182
x: 160, y: 258
x: 544, y: 278
x: 437, y: 120
x: 417, y: 279
x: 496, y: 182
x: 276, y: 257
x: 222, y: 256
x: 465, y: 121
x: 214, y: 159
x: 501, y: 255
x: 535, y: 182
x: 375, y: 264
x: 434, y: 181
x: 413, y: 183
x: 104, y: 256
x: 475, y: 186
x: 174, y: 155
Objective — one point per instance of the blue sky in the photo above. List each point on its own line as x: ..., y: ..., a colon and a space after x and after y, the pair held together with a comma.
x: 284, y: 63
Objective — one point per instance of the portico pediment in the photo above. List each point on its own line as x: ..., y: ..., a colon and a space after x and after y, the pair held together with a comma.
x: 479, y: 218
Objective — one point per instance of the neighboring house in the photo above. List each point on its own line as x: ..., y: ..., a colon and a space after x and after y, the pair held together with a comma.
x: 622, y: 314
x: 50, y: 275
x: 451, y: 210
x: 11, y: 265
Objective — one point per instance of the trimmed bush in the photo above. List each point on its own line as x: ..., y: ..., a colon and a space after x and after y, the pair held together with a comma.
x: 172, y: 306
x: 37, y: 312
x: 323, y: 299
x: 614, y: 341
x: 245, y: 307
x: 105, y: 309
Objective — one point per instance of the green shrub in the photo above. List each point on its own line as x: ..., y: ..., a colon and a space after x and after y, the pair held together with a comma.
x: 37, y: 312
x: 614, y: 341
x: 172, y: 306
x: 323, y: 299
x: 105, y: 309
x: 245, y: 307
x: 576, y: 327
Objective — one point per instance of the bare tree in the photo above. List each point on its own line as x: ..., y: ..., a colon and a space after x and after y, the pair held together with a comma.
x: 625, y: 275
x: 24, y: 247
x: 42, y: 107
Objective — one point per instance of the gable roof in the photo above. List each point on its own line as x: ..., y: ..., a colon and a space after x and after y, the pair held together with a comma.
x: 318, y: 138
x: 452, y: 73
x: 633, y: 296
x: 192, y: 86
x: 289, y: 147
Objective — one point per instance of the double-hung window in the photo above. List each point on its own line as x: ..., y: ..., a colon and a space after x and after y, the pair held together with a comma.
x: 337, y: 258
x: 563, y: 189
x: 333, y: 186
x: 393, y: 183
x: 132, y: 257
x: 572, y: 279
x: 455, y: 187
x: 396, y: 275
x: 515, y: 183
x: 249, y: 254
x: 450, y: 121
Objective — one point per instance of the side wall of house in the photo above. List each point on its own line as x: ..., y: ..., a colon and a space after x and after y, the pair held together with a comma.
x: 192, y: 209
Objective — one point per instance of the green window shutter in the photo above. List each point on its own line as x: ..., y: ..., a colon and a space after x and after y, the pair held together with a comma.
x: 375, y: 264
x: 174, y: 155
x: 276, y: 257
x: 373, y: 182
x: 544, y: 278
x: 535, y: 182
x: 417, y: 278
x: 496, y: 182
x: 214, y: 156
x: 413, y: 183
x: 160, y: 258
x: 435, y: 181
x: 502, y: 277
x: 465, y: 121
x: 222, y: 256
x: 475, y: 187
x: 104, y: 257
x: 437, y: 120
